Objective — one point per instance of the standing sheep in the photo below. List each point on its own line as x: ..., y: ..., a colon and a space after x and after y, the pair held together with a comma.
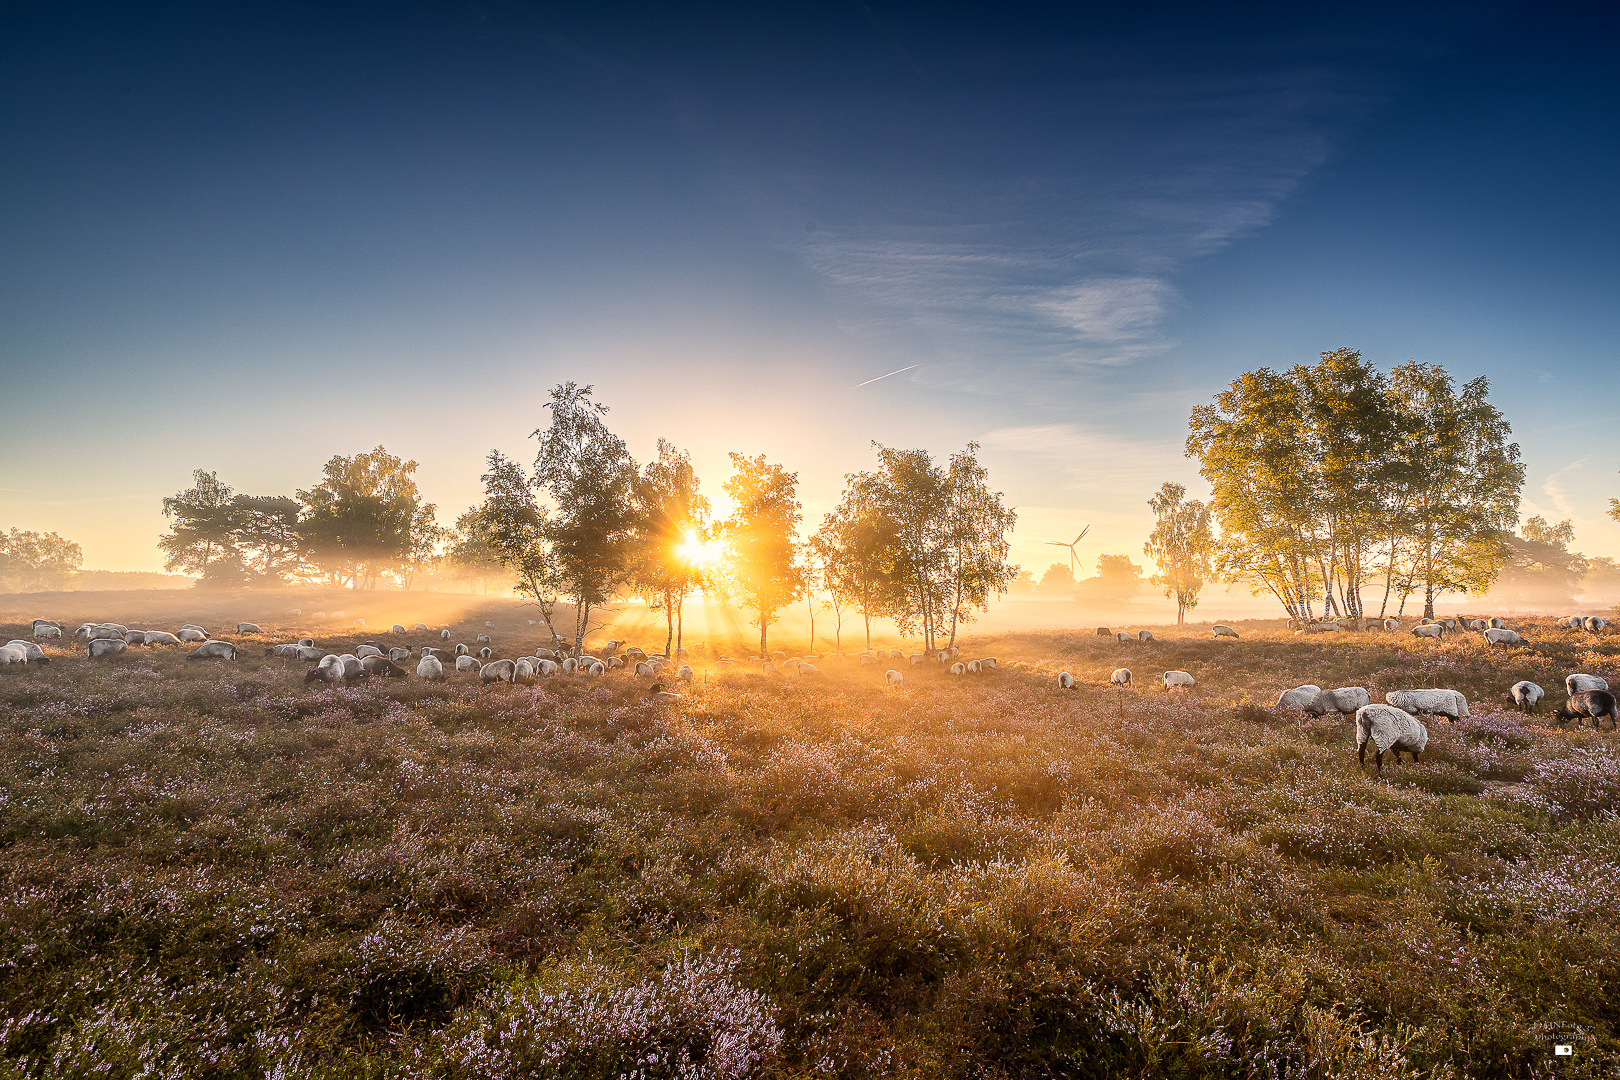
x: 1346, y: 700
x: 1144, y: 635
x: 1297, y: 698
x: 1574, y: 684
x: 1429, y: 630
x: 1122, y: 637
x: 1392, y: 624
x: 1388, y: 728
x: 109, y: 646
x: 213, y: 650
x: 1448, y: 703
x: 1526, y: 695
x: 1221, y: 630
x: 1065, y: 681
x: 42, y: 632
x: 429, y: 668
x: 1103, y: 631
x: 499, y: 671
x: 1173, y: 679
x: 31, y: 652
x: 1122, y: 677
x: 247, y: 628
x: 1502, y: 637
x: 466, y: 663
x: 1590, y: 703
x: 893, y: 678
x: 444, y: 635
x: 330, y: 669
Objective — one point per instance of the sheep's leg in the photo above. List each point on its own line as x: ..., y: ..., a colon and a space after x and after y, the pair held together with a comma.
x: 1397, y: 753
x: 1380, y: 763
x: 1361, y: 752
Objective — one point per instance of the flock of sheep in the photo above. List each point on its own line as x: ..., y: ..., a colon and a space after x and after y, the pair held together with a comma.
x: 1389, y: 727
x: 1494, y: 629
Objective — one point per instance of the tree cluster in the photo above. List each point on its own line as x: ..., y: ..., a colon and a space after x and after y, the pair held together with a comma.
x: 1332, y: 478
x: 37, y: 562
x: 363, y: 524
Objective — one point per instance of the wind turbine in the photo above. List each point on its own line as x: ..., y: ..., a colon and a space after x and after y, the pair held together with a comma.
x: 1074, y: 557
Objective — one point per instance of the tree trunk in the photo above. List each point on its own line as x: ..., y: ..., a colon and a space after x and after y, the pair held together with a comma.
x: 680, y: 612
x: 669, y: 623
x: 764, y: 651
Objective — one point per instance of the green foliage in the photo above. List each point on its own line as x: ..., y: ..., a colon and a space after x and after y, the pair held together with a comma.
x: 37, y: 562
x: 366, y: 518
x: 1180, y: 546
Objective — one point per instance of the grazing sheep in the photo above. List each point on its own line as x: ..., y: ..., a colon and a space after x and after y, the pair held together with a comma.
x: 685, y: 673
x: 106, y: 633
x: 382, y: 667
x: 1429, y: 630
x: 987, y: 663
x: 808, y: 669
x: 975, y: 668
x: 396, y: 629
x: 339, y: 614
x: 429, y: 668
x: 1475, y: 624
x: 121, y: 628
x: 306, y: 641
x: 522, y: 669
x: 466, y: 663
x: 461, y: 649
x: 399, y: 654
x: 1173, y: 679
x: 547, y: 667
x: 656, y: 692
x: 1574, y: 684
x: 420, y: 626
x: 42, y: 632
x: 1345, y: 700
x: 597, y: 668
x: 1594, y: 624
x: 1497, y: 624
x: 1388, y: 728
x: 958, y: 668
x: 1222, y: 630
x: 286, y: 651
x: 12, y: 654
x: 916, y: 658
x: 188, y: 634
x: 569, y: 665
x: 1103, y: 631
x: 1298, y: 698
x: 485, y: 653
x: 33, y: 652
x: 135, y: 637
x: 309, y: 654
x: 213, y: 649
x: 1590, y: 703
x: 1065, y: 681
x: 893, y: 678
x: 444, y: 635
x: 330, y: 669
x: 161, y: 637
x: 366, y: 650
x: 247, y: 628
x: 1448, y: 703
x: 867, y: 658
x: 319, y: 615
x: 1122, y: 677
x: 613, y: 662
x: 1392, y: 624
x: 110, y: 646
x: 482, y: 637
x: 1122, y: 637
x: 643, y: 669
x: 1503, y: 637
x: 546, y: 654
x: 499, y: 671
x: 894, y: 654
x: 1144, y: 635
x: 1526, y: 695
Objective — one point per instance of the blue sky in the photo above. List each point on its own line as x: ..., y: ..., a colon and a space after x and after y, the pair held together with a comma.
x: 248, y: 239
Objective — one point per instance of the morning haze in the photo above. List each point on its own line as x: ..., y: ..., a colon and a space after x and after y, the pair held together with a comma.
x: 760, y: 541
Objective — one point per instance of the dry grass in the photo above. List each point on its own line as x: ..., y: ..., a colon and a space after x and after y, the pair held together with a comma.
x: 207, y: 869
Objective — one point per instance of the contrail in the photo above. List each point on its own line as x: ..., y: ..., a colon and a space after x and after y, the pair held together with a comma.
x: 869, y: 382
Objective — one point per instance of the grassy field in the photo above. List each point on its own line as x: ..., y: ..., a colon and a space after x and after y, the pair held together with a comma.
x: 208, y: 869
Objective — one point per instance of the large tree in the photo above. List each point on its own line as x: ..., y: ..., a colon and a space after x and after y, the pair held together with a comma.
x: 591, y: 478
x: 202, y: 539
x: 1180, y: 546
x: 1541, y: 570
x: 671, y: 535
x: 975, y: 532
x: 508, y: 530
x: 366, y: 518
x: 37, y: 562
x: 761, y: 535
x: 856, y: 547
x: 266, y: 537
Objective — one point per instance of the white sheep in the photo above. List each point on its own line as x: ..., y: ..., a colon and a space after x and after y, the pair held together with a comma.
x: 293, y: 612
x: 485, y: 653
x: 1298, y: 697
x: 185, y: 626
x: 13, y: 654
x: 1497, y: 624
x: 1389, y: 728
x: 1503, y: 637
x: 461, y: 649
x: 1177, y: 678
x: 1429, y: 630
x: 987, y: 663
x: 42, y: 632
x: 499, y: 671
x: 569, y: 665
x: 1475, y: 624
x: 1594, y: 624
x: 188, y: 634
x: 306, y: 641
x: 309, y: 654
x: 134, y: 637
x: 421, y: 626
x: 330, y: 669
x: 916, y: 658
x: 894, y: 654
x: 107, y: 633
x: 161, y: 637
x: 975, y: 668
x: 1065, y: 681
x: 1574, y: 684
x: 1222, y: 630
x: 247, y: 628
x: 958, y: 668
x: 396, y: 629
x: 213, y: 649
x: 597, y: 668
x: 1344, y: 700
x: 1448, y: 703
x: 397, y: 655
x: 339, y: 614
x: 363, y: 651
x: 1122, y: 677
x: 429, y: 668
x: 808, y: 669
x: 444, y: 635
x: 1144, y: 635
x: 482, y: 637
x: 1122, y: 637
x: 522, y: 669
x: 867, y: 657
x: 319, y: 615
x: 33, y: 653
x: 1526, y: 695
x: 893, y: 678
x: 466, y: 663
x: 686, y: 673
x: 287, y: 651
x: 547, y: 667
x: 120, y: 627
x: 358, y: 623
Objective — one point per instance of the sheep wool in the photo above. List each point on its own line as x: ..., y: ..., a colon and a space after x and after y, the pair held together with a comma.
x: 1065, y: 681
x: 1121, y: 677
x: 1436, y: 702
x: 1174, y: 679
x: 430, y: 668
x: 1389, y: 728
x: 1526, y: 695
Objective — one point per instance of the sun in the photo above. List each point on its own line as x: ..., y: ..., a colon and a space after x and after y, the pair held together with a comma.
x: 698, y: 553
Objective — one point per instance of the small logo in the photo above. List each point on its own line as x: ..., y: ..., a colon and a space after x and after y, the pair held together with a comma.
x: 1563, y: 1049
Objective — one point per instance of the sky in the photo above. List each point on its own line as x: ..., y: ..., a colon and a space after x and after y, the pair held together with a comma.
x: 248, y: 238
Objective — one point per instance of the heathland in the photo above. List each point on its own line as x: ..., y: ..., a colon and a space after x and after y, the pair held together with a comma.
x: 209, y: 869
